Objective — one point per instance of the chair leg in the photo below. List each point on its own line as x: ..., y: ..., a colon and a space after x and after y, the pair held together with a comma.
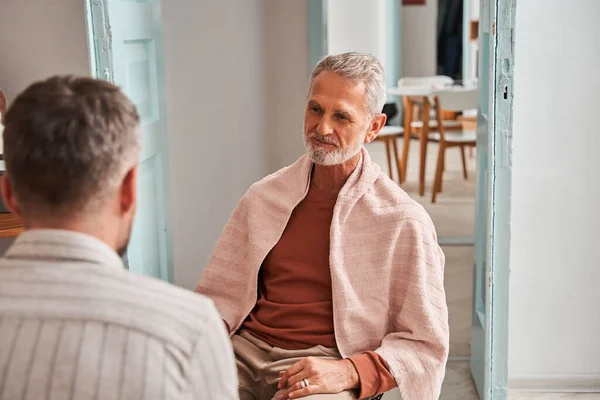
x: 464, y: 162
x: 471, y: 151
x: 398, y: 162
x: 423, y: 142
x: 444, y: 166
x: 389, y: 156
x: 405, y: 150
x: 437, y: 182
x: 441, y: 183
x: 408, y: 117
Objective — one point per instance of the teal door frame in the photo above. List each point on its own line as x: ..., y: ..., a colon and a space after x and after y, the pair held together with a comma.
x: 317, y: 31
x: 489, y: 336
x: 393, y: 48
x: 494, y: 284
x: 139, y: 70
x: 497, y: 304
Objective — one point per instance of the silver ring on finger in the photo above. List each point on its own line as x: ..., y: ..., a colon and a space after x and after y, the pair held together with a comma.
x: 304, y: 383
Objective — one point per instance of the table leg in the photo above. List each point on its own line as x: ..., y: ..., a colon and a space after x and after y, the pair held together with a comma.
x: 424, y: 134
x: 408, y: 112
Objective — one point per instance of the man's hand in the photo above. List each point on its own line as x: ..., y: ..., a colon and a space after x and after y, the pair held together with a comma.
x: 323, y: 376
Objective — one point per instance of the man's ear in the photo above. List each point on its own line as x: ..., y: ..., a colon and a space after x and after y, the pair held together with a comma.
x: 8, y: 196
x: 375, y: 126
x: 128, y: 190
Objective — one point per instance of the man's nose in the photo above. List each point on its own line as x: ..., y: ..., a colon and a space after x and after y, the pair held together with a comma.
x: 325, y: 126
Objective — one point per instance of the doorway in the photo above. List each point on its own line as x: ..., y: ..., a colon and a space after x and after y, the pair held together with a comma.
x: 486, y: 323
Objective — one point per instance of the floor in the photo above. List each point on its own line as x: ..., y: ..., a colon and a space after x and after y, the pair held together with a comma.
x: 454, y: 215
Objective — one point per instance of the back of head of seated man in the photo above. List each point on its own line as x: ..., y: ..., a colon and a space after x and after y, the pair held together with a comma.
x: 328, y: 275
x: 73, y: 322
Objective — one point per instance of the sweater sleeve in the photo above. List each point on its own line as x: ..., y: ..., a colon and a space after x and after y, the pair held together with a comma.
x: 373, y: 373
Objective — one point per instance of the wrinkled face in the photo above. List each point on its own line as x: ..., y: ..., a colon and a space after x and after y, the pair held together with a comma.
x: 335, y: 119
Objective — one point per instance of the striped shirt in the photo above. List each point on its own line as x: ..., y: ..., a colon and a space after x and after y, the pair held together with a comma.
x: 74, y: 324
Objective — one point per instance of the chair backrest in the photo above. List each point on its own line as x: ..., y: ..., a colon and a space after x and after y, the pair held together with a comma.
x: 457, y: 99
x: 428, y: 81
x: 453, y: 100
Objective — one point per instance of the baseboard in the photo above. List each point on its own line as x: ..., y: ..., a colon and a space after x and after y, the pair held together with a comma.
x: 459, y: 359
x: 585, y: 383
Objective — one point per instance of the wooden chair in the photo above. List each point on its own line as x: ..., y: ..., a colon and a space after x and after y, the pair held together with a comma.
x: 3, y: 103
x: 10, y: 225
x: 413, y: 123
x: 389, y: 135
x: 437, y: 81
x: 3, y: 108
x: 452, y: 100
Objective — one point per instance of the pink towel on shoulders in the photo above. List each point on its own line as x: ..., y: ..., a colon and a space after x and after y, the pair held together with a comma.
x: 387, y: 270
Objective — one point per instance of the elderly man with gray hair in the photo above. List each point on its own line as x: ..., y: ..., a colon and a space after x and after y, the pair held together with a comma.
x: 327, y: 275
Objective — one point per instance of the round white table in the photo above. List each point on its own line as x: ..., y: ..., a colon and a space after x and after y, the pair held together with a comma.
x: 422, y: 91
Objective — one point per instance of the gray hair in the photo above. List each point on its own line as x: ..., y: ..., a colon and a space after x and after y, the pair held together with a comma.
x: 357, y: 67
x: 68, y: 143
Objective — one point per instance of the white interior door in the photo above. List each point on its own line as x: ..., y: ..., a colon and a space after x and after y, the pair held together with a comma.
x: 127, y: 41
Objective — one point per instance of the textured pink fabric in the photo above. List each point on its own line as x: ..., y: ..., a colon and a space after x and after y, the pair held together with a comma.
x: 387, y: 270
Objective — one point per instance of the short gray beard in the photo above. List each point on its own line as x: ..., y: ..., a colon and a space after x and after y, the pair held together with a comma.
x: 321, y: 156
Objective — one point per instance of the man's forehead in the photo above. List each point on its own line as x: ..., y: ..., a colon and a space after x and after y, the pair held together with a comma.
x: 335, y: 104
x: 328, y: 87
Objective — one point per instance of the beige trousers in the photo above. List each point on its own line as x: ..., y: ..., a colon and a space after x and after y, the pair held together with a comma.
x: 258, y: 366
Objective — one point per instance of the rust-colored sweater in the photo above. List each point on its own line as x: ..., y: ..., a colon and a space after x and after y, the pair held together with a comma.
x: 294, y: 309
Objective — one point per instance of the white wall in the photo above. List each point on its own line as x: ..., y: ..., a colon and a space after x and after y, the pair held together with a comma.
x: 357, y: 25
x: 216, y: 80
x: 288, y: 74
x: 470, y: 47
x: 419, y: 39
x: 39, y: 38
x: 555, y: 245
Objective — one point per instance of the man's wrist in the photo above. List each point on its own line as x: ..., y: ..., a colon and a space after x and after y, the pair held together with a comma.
x: 353, y: 380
